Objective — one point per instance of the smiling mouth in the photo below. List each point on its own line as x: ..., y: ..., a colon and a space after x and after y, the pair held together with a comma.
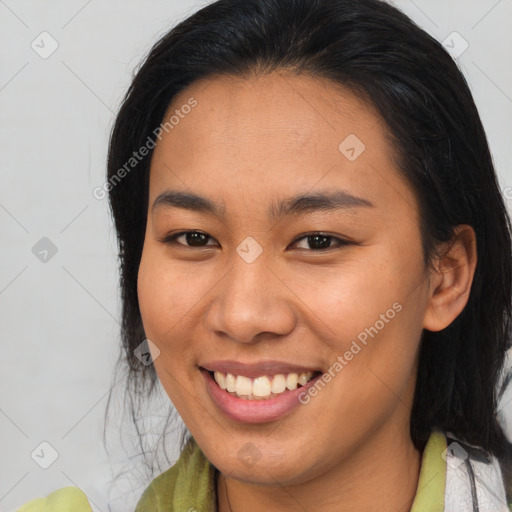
x: 263, y: 387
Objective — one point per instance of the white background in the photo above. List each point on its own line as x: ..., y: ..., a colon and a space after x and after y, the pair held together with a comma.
x: 59, y: 319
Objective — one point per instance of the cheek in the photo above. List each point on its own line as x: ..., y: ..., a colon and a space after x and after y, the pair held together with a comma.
x: 171, y: 297
x: 351, y: 296
x: 368, y: 314
x: 166, y: 294
x: 165, y: 298
x: 149, y: 290
x: 159, y: 308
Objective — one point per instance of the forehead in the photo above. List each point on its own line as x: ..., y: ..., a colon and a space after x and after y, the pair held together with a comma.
x: 255, y: 136
x: 291, y: 111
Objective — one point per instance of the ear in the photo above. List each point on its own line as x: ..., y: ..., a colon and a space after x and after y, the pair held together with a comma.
x: 450, y: 282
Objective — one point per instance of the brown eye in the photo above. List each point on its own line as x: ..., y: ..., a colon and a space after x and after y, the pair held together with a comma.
x: 319, y: 241
x: 189, y: 239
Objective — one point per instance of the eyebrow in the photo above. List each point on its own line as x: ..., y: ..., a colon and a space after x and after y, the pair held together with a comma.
x: 295, y: 205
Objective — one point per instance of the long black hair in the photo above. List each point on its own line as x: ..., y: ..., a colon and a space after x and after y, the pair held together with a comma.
x: 439, y: 145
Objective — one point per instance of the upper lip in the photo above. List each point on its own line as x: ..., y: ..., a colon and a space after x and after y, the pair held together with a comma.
x: 259, y: 369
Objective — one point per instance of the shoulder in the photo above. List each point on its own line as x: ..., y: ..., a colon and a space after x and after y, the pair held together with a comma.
x: 191, y: 481
x: 480, y: 474
x: 67, y: 499
x: 505, y: 462
x: 159, y: 491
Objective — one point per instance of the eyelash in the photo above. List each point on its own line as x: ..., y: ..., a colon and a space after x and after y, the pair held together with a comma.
x: 171, y: 240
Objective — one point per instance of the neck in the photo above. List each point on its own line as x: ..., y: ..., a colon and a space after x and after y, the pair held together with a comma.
x: 383, y: 473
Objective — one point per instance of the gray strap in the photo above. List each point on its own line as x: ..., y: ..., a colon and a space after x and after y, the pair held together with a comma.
x: 474, y: 481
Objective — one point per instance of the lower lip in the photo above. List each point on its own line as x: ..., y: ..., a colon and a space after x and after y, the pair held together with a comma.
x: 254, y: 411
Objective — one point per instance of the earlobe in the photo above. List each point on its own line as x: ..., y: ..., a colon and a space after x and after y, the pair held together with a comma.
x: 451, y: 281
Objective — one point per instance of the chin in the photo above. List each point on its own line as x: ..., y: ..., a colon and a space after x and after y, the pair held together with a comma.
x: 261, y: 468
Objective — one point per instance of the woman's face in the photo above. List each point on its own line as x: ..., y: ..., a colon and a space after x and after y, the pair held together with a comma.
x: 274, y: 161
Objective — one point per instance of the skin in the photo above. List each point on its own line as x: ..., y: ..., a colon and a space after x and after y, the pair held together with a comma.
x: 247, y: 143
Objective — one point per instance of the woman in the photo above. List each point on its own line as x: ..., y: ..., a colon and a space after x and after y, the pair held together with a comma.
x: 316, y: 253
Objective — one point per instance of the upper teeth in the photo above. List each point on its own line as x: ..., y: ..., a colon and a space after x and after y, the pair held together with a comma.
x: 261, y: 386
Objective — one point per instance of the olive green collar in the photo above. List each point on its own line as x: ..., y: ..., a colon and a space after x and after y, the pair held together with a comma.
x: 431, y: 484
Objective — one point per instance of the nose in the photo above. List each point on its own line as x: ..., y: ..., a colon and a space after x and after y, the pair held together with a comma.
x: 251, y: 299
